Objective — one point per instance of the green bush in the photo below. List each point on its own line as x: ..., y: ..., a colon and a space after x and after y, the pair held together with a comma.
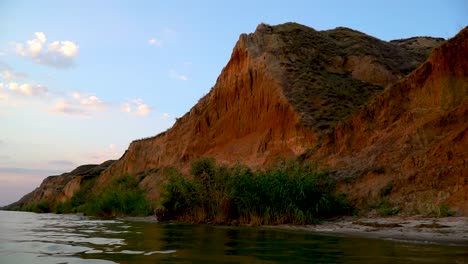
x: 121, y: 197
x: 443, y: 211
x: 39, y: 207
x: 79, y: 200
x: 386, y: 208
x: 287, y: 193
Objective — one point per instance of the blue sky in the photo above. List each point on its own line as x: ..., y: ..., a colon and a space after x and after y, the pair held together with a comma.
x: 79, y: 80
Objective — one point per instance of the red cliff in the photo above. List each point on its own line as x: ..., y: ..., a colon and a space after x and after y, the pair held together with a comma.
x: 283, y: 86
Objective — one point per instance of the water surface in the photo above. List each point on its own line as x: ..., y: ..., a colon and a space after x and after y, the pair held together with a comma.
x: 49, y: 238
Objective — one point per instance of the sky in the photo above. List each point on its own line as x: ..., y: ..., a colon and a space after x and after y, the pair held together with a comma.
x: 79, y: 80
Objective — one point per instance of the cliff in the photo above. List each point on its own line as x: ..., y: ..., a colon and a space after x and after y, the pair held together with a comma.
x: 59, y: 188
x: 411, y: 140
x: 389, y: 120
x: 281, y: 89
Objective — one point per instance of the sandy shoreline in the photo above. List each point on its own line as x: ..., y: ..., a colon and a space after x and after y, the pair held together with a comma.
x: 417, y: 229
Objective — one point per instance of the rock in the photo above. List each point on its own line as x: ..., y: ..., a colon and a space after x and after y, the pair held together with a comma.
x: 273, y: 99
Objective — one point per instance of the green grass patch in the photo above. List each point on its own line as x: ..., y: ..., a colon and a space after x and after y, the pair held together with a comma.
x: 39, y: 207
x: 386, y: 208
x: 289, y: 192
x: 122, y: 197
x: 443, y: 211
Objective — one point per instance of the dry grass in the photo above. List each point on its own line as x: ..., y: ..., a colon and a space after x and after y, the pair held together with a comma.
x: 306, y: 56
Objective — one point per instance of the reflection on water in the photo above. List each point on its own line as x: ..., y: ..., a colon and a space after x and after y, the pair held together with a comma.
x: 49, y: 238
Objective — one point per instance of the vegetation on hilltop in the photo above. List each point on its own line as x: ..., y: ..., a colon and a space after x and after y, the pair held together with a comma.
x: 317, y: 83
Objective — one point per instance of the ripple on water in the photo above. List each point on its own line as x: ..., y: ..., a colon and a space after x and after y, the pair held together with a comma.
x: 33, y: 238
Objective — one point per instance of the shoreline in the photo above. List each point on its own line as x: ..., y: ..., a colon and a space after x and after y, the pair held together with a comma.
x: 414, y: 229
x: 419, y: 229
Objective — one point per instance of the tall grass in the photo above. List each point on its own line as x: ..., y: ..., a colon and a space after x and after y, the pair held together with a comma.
x: 121, y: 198
x: 287, y: 193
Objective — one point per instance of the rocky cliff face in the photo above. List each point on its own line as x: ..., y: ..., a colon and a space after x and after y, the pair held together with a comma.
x: 412, y: 139
x: 388, y: 124
x: 59, y: 188
x: 283, y: 86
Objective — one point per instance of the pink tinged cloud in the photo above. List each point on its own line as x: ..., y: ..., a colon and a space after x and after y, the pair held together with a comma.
x: 136, y: 107
x: 58, y: 54
x: 79, y: 105
x: 27, y: 89
x: 11, y: 75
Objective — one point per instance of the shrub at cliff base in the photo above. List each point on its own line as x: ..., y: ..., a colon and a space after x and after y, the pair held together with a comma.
x: 287, y: 193
x: 40, y: 207
x: 122, y: 197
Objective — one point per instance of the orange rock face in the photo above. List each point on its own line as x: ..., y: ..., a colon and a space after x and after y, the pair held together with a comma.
x: 340, y: 98
x: 269, y: 102
x: 415, y: 134
x: 244, y: 118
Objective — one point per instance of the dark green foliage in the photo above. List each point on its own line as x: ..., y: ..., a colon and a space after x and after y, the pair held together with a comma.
x: 386, y: 208
x: 444, y: 211
x: 40, y: 207
x: 121, y: 197
x: 287, y: 193
x: 78, y: 201
x: 387, y: 189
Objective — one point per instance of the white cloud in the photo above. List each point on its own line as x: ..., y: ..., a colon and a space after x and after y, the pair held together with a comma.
x: 143, y: 110
x: 175, y: 75
x: 126, y: 108
x: 89, y: 101
x: 80, y: 105
x: 41, y: 37
x: 2, y: 95
x: 11, y: 75
x: 27, y: 89
x: 64, y: 107
x: 155, y: 42
x: 76, y: 95
x: 58, y: 54
x: 137, y: 107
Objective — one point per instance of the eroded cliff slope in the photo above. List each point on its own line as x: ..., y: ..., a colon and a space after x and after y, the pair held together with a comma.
x: 58, y: 188
x: 389, y: 124
x: 410, y: 142
x: 282, y: 88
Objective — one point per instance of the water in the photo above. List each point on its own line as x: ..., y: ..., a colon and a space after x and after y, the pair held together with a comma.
x: 50, y: 238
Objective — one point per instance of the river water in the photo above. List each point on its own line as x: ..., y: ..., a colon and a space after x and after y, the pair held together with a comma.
x: 49, y: 238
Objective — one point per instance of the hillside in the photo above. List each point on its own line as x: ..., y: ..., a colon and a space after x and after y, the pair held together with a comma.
x: 411, y: 140
x: 388, y: 120
x: 281, y: 89
x: 59, y: 188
